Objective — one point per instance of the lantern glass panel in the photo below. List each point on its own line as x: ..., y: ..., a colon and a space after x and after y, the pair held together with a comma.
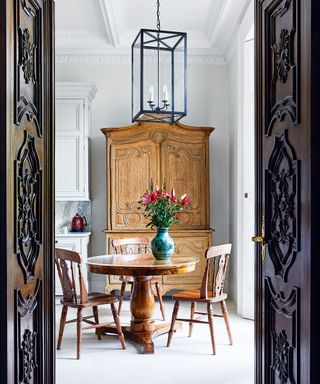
x: 179, y: 77
x: 136, y: 75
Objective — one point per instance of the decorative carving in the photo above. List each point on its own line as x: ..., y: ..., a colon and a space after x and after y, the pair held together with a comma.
x: 282, y: 57
x: 27, y: 55
x: 26, y: 108
x: 28, y: 201
x: 158, y: 137
x: 279, y: 302
x: 282, y: 178
x: 282, y: 356
x: 281, y: 52
x: 195, y: 153
x: 280, y: 11
x: 28, y: 66
x: 282, y: 351
x: 28, y: 10
x: 283, y: 108
x: 27, y: 357
x: 26, y: 305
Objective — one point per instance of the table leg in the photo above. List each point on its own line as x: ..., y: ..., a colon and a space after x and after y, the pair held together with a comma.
x: 143, y: 328
x: 142, y: 306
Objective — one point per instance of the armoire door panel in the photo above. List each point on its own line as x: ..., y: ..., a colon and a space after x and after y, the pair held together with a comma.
x: 133, y: 165
x: 190, y: 159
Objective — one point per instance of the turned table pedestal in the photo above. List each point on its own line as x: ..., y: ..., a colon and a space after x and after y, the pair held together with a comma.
x: 141, y: 267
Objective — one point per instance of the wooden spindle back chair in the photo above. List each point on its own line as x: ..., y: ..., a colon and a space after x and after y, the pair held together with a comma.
x: 211, y: 292
x: 135, y: 245
x: 217, y: 258
x: 68, y: 264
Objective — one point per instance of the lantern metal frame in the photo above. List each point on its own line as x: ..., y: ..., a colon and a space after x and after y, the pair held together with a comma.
x: 159, y: 40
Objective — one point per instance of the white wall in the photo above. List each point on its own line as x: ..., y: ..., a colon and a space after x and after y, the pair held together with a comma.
x: 208, y: 105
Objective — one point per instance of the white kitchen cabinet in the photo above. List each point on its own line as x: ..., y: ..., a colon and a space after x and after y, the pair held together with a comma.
x: 73, y: 125
x: 77, y: 242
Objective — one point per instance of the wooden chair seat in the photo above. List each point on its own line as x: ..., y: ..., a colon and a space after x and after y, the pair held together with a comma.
x: 131, y: 246
x: 216, y: 264
x: 94, y: 298
x: 68, y: 264
x: 195, y: 295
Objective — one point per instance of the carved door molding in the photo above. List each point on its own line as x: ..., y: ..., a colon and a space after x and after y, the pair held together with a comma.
x: 287, y: 159
x: 27, y: 192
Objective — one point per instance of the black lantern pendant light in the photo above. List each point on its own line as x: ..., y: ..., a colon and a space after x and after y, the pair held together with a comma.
x: 159, y: 66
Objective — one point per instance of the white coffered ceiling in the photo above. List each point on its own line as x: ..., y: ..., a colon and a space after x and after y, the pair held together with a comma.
x: 107, y: 27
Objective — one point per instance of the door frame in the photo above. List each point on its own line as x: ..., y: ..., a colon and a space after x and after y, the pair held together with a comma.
x: 245, y: 27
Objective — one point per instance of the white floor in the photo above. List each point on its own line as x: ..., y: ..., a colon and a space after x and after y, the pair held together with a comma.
x: 187, y: 361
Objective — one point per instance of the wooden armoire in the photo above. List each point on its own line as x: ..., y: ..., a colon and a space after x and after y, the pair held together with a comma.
x: 175, y: 154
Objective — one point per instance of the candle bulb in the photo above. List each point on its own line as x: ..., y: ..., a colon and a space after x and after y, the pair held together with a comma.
x: 151, y: 94
x: 165, y: 94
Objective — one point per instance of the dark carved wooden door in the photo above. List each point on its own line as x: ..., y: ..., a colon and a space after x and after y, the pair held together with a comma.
x: 287, y: 109
x: 27, y: 191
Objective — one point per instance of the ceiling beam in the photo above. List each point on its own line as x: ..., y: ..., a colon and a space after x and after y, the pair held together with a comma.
x: 111, y: 21
x: 223, y: 21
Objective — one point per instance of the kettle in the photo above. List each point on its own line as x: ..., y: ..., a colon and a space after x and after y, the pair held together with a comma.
x: 78, y: 223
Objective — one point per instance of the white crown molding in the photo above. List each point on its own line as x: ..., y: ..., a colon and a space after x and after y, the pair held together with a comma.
x: 110, y: 15
x: 69, y: 89
x: 124, y: 58
x: 93, y: 59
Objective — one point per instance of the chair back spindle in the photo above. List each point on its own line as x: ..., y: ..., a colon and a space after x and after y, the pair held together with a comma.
x: 217, y: 258
x: 66, y: 262
x: 131, y: 246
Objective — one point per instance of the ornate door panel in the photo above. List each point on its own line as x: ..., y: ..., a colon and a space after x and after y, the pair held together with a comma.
x: 133, y: 165
x: 284, y: 128
x: 28, y: 233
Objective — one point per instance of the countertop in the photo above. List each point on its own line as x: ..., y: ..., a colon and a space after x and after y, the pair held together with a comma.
x: 73, y: 234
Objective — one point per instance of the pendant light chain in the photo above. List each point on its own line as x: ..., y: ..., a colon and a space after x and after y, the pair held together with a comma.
x: 158, y: 15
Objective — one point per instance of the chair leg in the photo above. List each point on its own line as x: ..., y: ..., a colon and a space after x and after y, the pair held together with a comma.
x: 123, y: 288
x: 79, y: 331
x: 193, y: 307
x: 63, y: 318
x: 118, y: 325
x: 163, y: 312
x: 210, y: 320
x: 173, y: 320
x: 226, y: 319
x: 96, y: 319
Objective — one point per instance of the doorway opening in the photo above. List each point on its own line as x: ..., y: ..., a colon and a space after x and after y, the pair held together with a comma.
x: 117, y: 78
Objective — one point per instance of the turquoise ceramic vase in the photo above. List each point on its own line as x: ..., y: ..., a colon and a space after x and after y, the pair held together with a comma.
x: 162, y: 245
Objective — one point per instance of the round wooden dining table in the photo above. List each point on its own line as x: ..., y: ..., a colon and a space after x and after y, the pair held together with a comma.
x: 141, y: 267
